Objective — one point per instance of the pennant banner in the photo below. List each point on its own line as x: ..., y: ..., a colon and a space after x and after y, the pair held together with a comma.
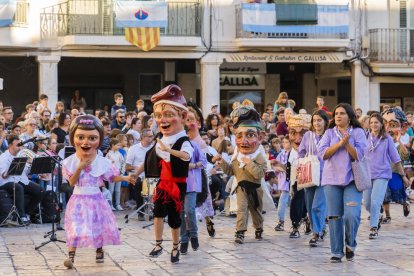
x: 130, y: 14
x: 7, y: 11
x: 144, y: 38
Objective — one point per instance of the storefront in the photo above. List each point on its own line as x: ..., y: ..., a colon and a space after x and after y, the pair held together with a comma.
x: 240, y: 81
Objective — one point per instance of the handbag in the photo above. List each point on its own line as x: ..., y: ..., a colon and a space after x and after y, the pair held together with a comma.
x: 362, y: 174
x: 309, y: 168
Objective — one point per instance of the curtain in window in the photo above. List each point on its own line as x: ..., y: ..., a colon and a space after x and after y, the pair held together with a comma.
x: 296, y: 12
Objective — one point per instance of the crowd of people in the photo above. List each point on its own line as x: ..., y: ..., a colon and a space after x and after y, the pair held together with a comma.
x: 201, y: 163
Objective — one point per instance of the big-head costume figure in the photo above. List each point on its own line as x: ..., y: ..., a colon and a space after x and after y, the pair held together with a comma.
x: 168, y: 160
x: 394, y: 120
x: 248, y: 165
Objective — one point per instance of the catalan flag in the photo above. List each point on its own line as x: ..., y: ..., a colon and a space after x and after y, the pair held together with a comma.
x: 144, y: 38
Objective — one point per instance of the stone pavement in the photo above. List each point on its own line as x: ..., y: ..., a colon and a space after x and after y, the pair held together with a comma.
x: 391, y: 254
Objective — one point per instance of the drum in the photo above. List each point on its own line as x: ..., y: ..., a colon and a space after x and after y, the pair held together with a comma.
x: 148, y: 186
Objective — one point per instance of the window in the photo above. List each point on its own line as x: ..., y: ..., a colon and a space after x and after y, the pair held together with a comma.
x: 296, y: 12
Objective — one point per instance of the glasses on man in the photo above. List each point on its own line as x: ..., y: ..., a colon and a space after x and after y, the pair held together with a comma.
x: 121, y: 117
x: 32, y: 125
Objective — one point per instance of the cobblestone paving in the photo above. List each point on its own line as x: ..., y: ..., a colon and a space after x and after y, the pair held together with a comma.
x: 391, y: 254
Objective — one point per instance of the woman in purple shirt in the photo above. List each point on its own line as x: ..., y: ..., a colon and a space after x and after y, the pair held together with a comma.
x: 381, y: 152
x: 343, y: 142
x: 314, y: 196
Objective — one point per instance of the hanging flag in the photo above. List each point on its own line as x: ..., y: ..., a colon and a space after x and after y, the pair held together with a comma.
x: 144, y: 38
x: 146, y: 14
x: 7, y: 11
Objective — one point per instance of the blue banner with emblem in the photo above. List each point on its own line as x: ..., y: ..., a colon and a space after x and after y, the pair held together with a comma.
x: 138, y: 14
x: 7, y: 11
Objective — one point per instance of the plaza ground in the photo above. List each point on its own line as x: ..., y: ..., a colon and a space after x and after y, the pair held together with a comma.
x: 391, y: 254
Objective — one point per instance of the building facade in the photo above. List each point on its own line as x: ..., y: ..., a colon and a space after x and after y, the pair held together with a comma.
x: 218, y: 51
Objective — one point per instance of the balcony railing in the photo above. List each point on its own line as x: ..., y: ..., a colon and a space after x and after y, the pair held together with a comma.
x: 96, y: 17
x: 260, y: 21
x: 391, y: 45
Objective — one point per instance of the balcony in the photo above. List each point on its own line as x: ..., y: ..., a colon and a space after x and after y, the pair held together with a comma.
x: 292, y: 25
x: 88, y: 18
x: 391, y: 45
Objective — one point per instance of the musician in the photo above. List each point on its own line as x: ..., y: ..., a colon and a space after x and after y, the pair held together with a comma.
x: 22, y: 184
x: 135, y: 161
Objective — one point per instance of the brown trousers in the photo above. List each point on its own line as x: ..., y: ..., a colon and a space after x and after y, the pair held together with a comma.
x: 244, y: 205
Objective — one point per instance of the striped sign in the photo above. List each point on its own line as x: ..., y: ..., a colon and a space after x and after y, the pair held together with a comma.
x: 144, y: 38
x: 7, y: 11
x: 332, y: 19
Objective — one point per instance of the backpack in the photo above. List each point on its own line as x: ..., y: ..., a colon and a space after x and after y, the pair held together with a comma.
x: 50, y: 208
x: 6, y: 204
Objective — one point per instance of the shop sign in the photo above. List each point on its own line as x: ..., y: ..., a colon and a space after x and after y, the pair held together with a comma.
x: 287, y: 57
x: 242, y: 68
x: 248, y: 81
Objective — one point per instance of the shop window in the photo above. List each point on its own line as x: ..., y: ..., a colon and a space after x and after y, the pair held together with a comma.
x: 296, y: 12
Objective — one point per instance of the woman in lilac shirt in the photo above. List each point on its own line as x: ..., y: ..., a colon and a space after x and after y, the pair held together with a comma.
x: 314, y: 196
x: 381, y: 152
x: 343, y: 142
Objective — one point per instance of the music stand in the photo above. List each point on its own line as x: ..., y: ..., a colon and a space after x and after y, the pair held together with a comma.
x: 42, y: 165
x: 69, y: 151
x: 146, y: 208
x: 16, y: 168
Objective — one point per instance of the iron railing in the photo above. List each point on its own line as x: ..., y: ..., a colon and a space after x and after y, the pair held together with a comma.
x: 96, y: 17
x: 297, y: 30
x: 391, y: 45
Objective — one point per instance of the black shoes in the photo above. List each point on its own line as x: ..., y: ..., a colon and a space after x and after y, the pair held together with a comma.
x: 210, y: 229
x: 175, y: 254
x: 157, y: 249
x: 374, y: 233
x: 239, y: 237
x: 258, y: 234
x: 280, y: 226
x: 349, y: 254
x: 99, y: 255
x: 194, y: 244
x: 406, y: 209
x: 184, y: 248
x: 314, y: 241
x: 386, y: 220
x: 294, y: 234
x: 335, y: 260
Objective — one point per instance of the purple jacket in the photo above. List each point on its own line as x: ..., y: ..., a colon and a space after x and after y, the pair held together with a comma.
x: 337, y: 169
x: 381, y: 157
x: 194, y: 175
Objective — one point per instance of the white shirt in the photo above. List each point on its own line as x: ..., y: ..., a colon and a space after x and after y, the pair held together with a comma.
x: 137, y: 136
x: 116, y: 158
x: 213, y: 152
x: 136, y: 156
x: 5, y: 160
x: 169, y: 141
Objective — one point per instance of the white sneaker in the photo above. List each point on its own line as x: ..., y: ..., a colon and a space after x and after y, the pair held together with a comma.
x: 119, y: 208
x: 113, y: 208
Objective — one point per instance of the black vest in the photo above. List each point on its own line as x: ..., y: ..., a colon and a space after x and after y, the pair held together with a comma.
x: 179, y: 167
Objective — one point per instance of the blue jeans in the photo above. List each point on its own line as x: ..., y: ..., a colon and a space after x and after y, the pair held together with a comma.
x: 316, y: 206
x: 115, y: 186
x: 283, y: 204
x: 373, y: 199
x: 189, y: 227
x: 344, y: 209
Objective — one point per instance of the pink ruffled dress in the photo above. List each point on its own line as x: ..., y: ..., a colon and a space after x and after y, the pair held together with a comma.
x: 89, y: 220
